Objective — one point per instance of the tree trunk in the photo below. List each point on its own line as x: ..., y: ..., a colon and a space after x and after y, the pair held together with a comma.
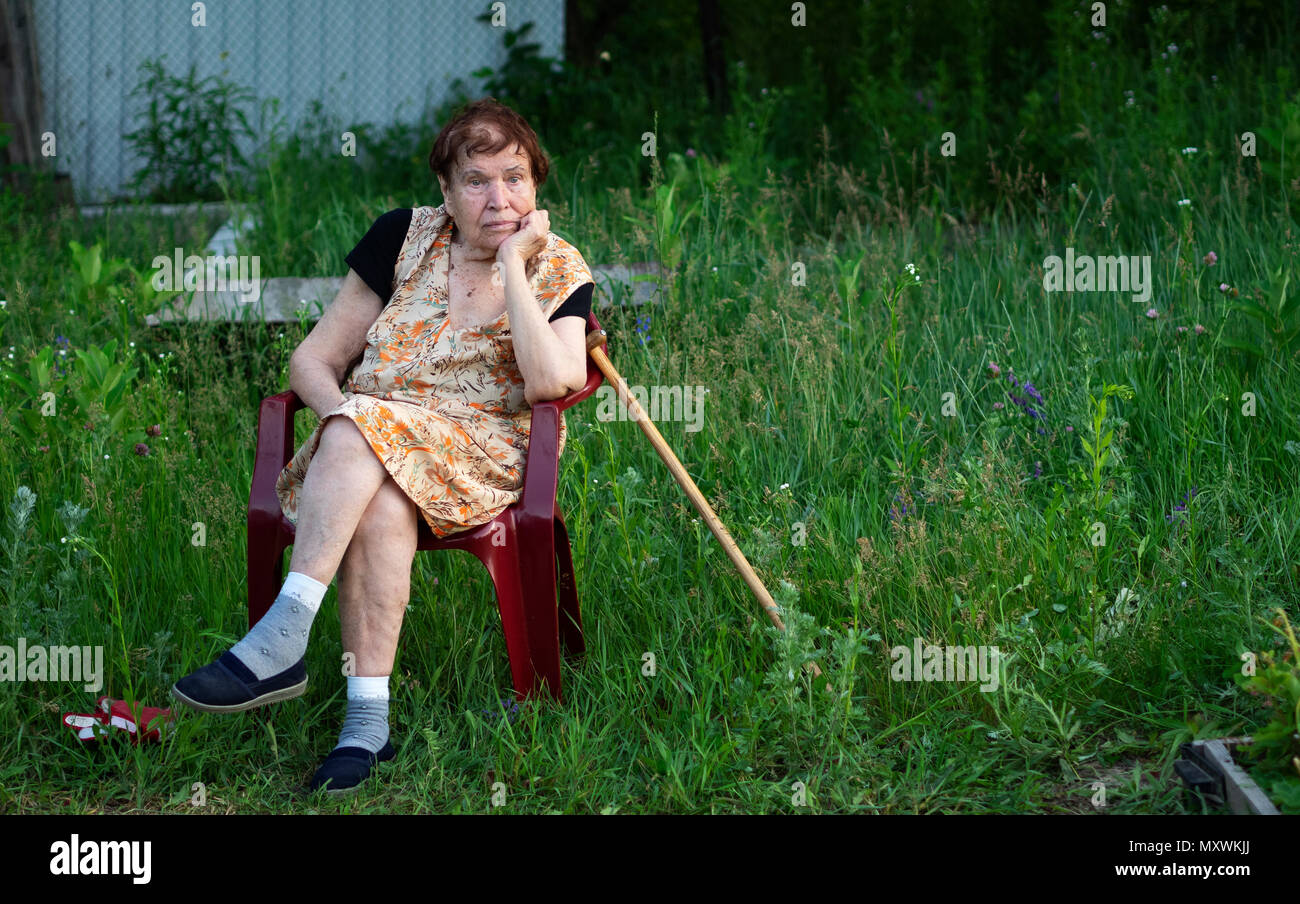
x: 715, y: 60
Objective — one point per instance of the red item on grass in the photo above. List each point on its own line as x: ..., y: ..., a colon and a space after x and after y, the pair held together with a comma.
x: 112, y: 714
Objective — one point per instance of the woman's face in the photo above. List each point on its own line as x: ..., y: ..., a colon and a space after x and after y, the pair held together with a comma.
x: 485, y: 191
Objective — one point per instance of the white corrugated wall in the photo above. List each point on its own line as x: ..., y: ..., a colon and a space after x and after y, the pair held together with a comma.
x: 375, y: 61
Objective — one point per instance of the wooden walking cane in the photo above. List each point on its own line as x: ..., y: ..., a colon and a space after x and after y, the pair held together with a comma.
x: 595, y: 348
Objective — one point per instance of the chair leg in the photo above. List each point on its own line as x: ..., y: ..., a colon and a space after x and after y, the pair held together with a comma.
x: 525, y: 584
x: 570, y: 613
x: 513, y: 602
x: 508, y: 581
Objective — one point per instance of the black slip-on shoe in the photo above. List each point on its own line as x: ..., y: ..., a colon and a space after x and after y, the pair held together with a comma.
x: 347, y: 767
x: 229, y: 686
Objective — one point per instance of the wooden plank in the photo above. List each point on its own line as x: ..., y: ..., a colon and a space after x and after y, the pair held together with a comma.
x: 20, y: 97
x: 1240, y: 792
x: 1243, y: 795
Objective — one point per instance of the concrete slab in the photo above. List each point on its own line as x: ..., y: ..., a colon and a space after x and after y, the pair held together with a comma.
x: 158, y: 210
x: 282, y: 298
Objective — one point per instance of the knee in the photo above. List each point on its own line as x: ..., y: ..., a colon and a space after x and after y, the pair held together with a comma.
x: 389, y: 521
x: 341, y: 433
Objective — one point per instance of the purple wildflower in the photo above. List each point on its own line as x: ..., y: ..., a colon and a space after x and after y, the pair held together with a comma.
x: 1025, y: 405
x: 1177, y: 519
x: 899, y: 511
x: 1034, y: 397
x: 1211, y: 259
x: 511, y: 707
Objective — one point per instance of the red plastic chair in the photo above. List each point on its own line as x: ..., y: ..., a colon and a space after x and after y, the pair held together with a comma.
x: 523, y: 570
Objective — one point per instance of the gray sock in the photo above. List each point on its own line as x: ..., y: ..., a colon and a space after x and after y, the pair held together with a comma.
x: 280, y: 638
x: 366, y: 723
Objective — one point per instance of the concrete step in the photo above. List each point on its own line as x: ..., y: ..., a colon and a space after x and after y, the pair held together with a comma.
x: 282, y: 298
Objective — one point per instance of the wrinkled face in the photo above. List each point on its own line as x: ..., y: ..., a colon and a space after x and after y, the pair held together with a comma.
x: 486, y: 191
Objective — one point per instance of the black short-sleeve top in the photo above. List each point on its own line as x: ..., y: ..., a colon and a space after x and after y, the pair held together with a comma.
x: 375, y: 261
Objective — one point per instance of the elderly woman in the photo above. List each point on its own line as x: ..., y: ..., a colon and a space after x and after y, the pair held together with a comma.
x: 452, y: 321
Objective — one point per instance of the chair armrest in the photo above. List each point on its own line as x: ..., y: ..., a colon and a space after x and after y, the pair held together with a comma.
x: 274, y: 451
x: 594, y: 377
x: 542, y: 461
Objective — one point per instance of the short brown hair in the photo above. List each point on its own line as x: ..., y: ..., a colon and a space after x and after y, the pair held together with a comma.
x: 471, y: 129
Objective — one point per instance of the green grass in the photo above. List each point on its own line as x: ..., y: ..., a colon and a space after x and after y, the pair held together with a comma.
x: 825, y: 417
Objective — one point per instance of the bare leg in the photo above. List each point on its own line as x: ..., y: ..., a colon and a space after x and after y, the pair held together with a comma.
x: 342, y: 479
x: 342, y: 507
x: 375, y: 579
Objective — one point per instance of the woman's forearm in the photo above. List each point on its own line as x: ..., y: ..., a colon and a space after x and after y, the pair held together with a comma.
x: 315, y: 382
x: 544, y: 361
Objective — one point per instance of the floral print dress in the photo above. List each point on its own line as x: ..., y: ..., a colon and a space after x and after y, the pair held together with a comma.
x: 443, y: 409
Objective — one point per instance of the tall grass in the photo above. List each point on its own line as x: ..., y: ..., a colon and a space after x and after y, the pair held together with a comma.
x: 825, y: 419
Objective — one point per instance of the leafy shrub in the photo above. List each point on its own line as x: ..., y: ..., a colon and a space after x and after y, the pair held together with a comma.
x: 1276, y: 747
x: 189, y: 133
